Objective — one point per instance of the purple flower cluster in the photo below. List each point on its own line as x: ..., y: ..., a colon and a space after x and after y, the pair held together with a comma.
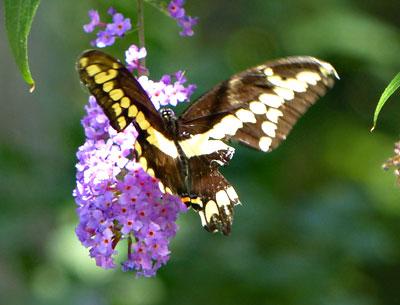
x: 106, y: 37
x: 176, y: 11
x: 394, y: 161
x: 118, y: 201
x: 170, y: 90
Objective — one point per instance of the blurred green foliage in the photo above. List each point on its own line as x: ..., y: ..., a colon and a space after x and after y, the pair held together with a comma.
x: 319, y: 223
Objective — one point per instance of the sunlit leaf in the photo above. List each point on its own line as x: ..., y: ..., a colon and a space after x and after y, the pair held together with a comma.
x: 18, y: 18
x: 389, y: 90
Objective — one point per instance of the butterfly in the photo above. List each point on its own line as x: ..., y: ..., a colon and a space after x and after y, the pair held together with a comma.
x: 257, y: 107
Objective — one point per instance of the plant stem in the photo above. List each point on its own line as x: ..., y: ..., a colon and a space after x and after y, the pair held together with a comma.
x: 140, y: 27
x: 129, y: 247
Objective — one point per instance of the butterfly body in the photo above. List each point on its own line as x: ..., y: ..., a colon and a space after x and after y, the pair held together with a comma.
x: 186, y: 168
x: 257, y: 107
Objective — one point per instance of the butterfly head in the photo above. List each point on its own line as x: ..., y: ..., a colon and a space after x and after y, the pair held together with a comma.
x: 167, y: 114
x: 169, y: 118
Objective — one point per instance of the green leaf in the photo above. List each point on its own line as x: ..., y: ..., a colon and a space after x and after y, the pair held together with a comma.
x: 18, y: 18
x: 389, y: 90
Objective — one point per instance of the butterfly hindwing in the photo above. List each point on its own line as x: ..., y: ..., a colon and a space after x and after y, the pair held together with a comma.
x: 215, y: 197
x: 258, y: 107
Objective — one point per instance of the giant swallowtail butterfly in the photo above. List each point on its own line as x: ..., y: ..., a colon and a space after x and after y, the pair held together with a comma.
x: 257, y: 107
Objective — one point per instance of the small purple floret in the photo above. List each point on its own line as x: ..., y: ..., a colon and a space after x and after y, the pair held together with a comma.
x: 94, y: 21
x: 187, y: 23
x: 176, y: 11
x: 120, y: 25
x: 111, y: 11
x: 106, y: 36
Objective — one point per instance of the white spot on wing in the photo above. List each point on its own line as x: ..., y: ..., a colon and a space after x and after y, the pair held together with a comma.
x: 268, y: 72
x: 246, y: 116
x: 258, y: 107
x: 284, y: 93
x: 222, y: 198
x: 265, y: 143
x: 231, y: 122
x: 309, y: 77
x: 269, y: 128
x: 274, y: 114
x: 271, y: 100
x: 232, y: 193
x: 217, y: 132
x: 227, y: 126
x: 211, y: 209
x: 296, y: 85
x: 290, y: 83
x: 203, y: 219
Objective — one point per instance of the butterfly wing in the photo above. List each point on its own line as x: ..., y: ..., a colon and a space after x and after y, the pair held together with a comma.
x: 124, y: 101
x: 258, y: 107
x: 117, y: 91
x: 215, y: 197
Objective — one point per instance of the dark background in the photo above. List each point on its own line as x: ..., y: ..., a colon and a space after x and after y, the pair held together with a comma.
x: 319, y: 223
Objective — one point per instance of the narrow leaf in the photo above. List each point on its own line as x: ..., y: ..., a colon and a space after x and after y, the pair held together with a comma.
x: 18, y: 18
x: 389, y: 90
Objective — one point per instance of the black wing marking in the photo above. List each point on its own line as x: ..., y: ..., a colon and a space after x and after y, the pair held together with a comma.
x: 258, y: 107
x: 117, y: 91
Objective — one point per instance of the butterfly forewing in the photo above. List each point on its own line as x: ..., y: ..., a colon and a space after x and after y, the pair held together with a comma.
x: 116, y: 91
x: 258, y: 107
x: 124, y: 101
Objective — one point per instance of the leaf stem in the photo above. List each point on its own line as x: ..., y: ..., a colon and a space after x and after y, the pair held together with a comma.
x: 140, y: 27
